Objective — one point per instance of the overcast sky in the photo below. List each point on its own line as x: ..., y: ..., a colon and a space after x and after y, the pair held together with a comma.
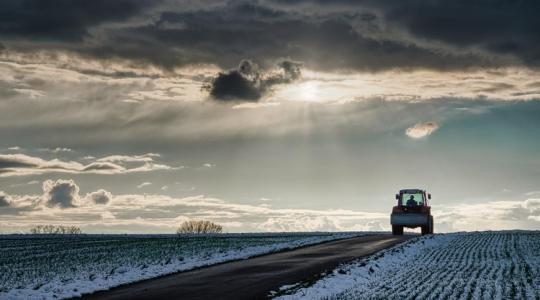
x: 133, y: 116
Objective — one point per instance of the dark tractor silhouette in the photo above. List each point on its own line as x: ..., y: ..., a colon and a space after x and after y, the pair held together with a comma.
x: 412, y: 211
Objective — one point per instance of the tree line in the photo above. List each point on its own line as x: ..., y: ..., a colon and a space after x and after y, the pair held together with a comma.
x: 187, y: 227
x: 55, y: 229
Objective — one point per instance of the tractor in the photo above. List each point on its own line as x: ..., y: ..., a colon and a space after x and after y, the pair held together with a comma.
x: 412, y: 211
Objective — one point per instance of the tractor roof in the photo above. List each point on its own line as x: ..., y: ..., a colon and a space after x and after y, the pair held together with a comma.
x: 411, y: 191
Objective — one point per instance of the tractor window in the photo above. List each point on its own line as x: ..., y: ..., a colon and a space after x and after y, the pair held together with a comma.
x: 412, y: 199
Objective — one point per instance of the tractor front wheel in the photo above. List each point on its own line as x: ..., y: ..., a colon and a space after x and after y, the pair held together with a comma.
x: 397, y: 230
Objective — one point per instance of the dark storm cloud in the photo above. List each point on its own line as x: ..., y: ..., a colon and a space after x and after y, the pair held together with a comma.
x: 248, y: 83
x: 366, y: 35
x: 500, y: 27
x: 62, y: 20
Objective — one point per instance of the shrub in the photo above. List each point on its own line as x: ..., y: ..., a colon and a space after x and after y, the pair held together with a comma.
x: 55, y: 229
x: 199, y: 227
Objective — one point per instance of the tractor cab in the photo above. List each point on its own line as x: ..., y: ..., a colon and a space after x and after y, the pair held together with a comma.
x: 412, y: 200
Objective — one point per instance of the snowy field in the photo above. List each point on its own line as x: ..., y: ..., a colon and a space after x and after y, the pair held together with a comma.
x: 40, y: 267
x: 479, y: 265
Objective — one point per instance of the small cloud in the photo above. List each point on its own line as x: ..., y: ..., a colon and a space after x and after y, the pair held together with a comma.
x: 140, y: 186
x: 165, y: 188
x: 250, y: 105
x: 56, y: 150
x: 300, y: 223
x: 374, y: 226
x: 32, y: 182
x: 209, y: 165
x: 533, y: 193
x: 100, y: 196
x: 61, y: 193
x: 64, y: 193
x: 107, y: 216
x: 5, y: 199
x: 421, y: 130
x: 148, y: 157
x: 15, y: 148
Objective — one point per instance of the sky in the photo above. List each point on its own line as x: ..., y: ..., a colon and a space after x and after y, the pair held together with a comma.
x: 133, y: 116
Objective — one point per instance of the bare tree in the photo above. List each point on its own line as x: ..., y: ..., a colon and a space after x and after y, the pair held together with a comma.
x: 38, y: 229
x: 52, y: 229
x: 74, y: 230
x: 199, y: 227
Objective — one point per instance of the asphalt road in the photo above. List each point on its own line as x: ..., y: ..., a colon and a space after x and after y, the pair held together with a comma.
x: 252, y: 278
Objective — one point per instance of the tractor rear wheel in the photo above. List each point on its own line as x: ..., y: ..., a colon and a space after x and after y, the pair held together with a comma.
x: 397, y: 230
x: 428, y: 229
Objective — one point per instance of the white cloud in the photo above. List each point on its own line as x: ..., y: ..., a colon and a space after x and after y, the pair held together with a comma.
x: 5, y: 199
x: 64, y: 193
x: 299, y: 223
x: 30, y: 93
x: 107, y: 216
x: 100, y: 196
x: 56, y: 150
x: 31, y: 182
x: 255, y: 105
x: 148, y: 157
x: 140, y: 186
x: 22, y: 164
x: 494, y: 215
x: 421, y: 130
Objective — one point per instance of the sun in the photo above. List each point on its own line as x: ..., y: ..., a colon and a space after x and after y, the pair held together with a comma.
x: 307, y: 91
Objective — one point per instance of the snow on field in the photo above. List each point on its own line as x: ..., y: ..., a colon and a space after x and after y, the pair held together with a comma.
x: 45, y: 267
x: 479, y: 265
